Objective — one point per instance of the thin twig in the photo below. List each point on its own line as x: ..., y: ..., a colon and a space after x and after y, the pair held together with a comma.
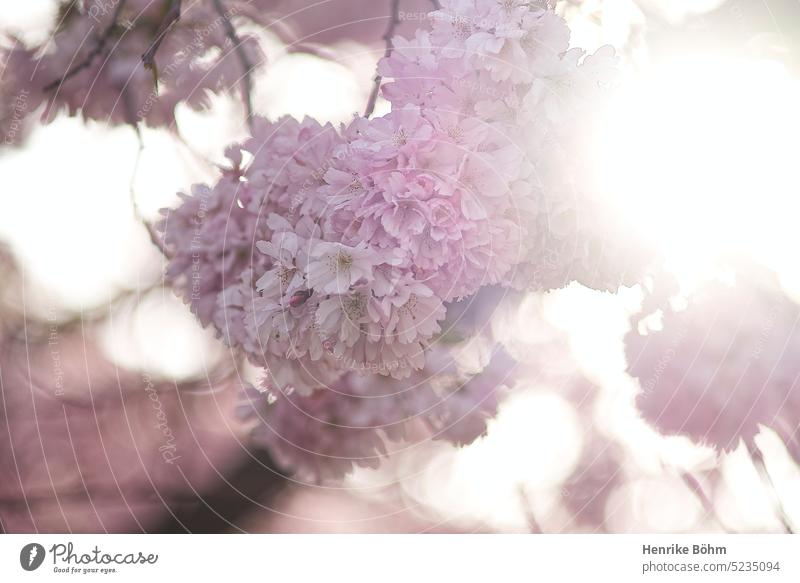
x: 708, y: 506
x: 172, y: 16
x: 96, y: 51
x: 151, y: 231
x: 394, y: 20
x: 527, y: 509
x: 766, y: 477
x: 244, y: 60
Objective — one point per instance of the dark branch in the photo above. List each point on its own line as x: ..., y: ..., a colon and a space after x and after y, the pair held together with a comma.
x: 97, y: 50
x: 394, y: 20
x: 172, y: 16
x: 436, y: 4
x: 244, y: 60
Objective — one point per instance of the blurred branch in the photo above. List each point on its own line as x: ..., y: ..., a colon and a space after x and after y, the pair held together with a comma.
x: 708, y: 506
x: 394, y: 20
x: 527, y: 508
x: 97, y: 50
x: 80, y: 319
x: 766, y: 478
x: 244, y: 60
x: 172, y: 16
x: 436, y: 4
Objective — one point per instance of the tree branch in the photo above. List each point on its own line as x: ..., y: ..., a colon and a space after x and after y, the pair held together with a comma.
x: 394, y: 20
x: 97, y: 50
x: 527, y: 508
x: 172, y: 16
x: 244, y: 60
x: 766, y: 478
x: 155, y: 239
x: 708, y: 506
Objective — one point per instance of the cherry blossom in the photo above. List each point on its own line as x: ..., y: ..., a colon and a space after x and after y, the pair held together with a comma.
x: 94, y: 64
x: 724, y: 366
x: 331, y: 257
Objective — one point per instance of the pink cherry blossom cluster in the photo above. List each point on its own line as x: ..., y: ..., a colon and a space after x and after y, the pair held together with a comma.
x: 332, y: 257
x: 505, y: 87
x: 724, y: 366
x: 93, y: 64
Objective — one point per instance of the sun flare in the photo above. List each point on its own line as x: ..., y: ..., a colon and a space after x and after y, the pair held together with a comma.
x: 702, y: 153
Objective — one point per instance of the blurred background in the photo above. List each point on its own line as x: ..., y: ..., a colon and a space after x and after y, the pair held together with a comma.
x: 118, y: 409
